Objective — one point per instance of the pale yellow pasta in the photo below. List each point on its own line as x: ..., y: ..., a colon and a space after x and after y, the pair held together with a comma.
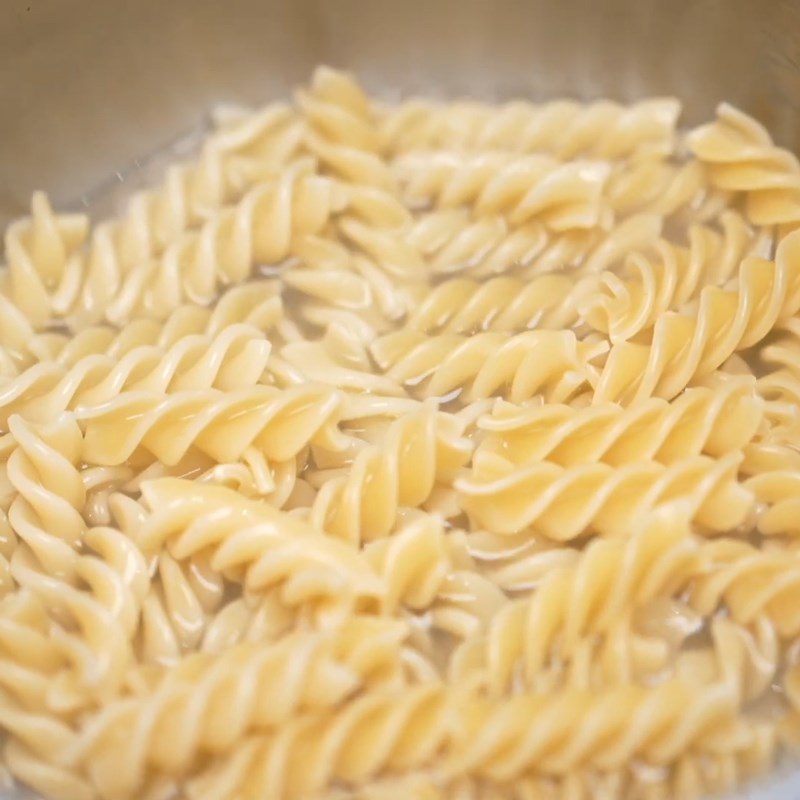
x: 463, y: 305
x: 751, y: 582
x: 497, y: 741
x: 221, y: 424
x: 563, y: 503
x: 561, y: 195
x: 715, y: 420
x: 565, y: 128
x: 234, y: 359
x: 689, y: 346
x: 742, y: 157
x: 586, y: 595
x: 668, y: 278
x: 207, y: 703
x: 418, y: 450
x: 257, y: 545
x: 415, y: 450
x: 664, y: 187
x: 452, y: 241
x: 552, y: 363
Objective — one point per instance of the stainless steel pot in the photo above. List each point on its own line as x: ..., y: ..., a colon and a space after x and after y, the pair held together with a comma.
x: 87, y: 87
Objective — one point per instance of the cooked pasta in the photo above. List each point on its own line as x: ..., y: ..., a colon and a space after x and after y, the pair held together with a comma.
x: 563, y: 503
x: 690, y: 346
x: 425, y: 450
x: 561, y: 195
x: 716, y: 420
x: 668, y: 279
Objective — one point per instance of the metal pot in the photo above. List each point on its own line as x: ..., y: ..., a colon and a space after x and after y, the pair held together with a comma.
x: 87, y: 87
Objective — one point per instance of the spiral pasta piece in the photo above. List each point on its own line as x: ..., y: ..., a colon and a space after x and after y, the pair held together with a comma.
x: 183, y: 599
x: 562, y: 196
x: 462, y: 305
x: 43, y: 255
x: 750, y: 582
x: 46, y: 267
x: 588, y: 252
x: 30, y: 659
x: 714, y: 420
x: 586, y: 596
x: 745, y: 657
x: 206, y: 704
x: 564, y: 128
x: 552, y: 363
x: 236, y: 358
x: 256, y: 545
x: 741, y: 157
x: 92, y: 597
x: 663, y: 187
x: 231, y: 160
x: 226, y: 249
x: 46, y: 511
x: 451, y: 241
x: 379, y: 734
x: 687, y: 347
x: 343, y: 132
x: 564, y: 502
x: 625, y: 305
x: 417, y: 451
x: 414, y: 562
x: 100, y: 618
x: 222, y: 425
x: 779, y: 491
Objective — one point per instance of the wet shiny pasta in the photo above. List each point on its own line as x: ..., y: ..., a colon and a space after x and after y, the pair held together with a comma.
x: 434, y: 451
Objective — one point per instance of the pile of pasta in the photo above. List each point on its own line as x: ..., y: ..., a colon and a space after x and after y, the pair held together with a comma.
x: 430, y: 450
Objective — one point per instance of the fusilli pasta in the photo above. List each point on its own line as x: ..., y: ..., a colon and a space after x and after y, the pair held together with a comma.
x: 421, y: 450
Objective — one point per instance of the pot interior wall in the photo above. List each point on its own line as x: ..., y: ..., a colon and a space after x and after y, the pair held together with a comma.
x: 88, y: 86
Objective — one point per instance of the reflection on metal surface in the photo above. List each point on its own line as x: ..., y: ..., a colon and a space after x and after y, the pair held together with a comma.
x: 89, y: 86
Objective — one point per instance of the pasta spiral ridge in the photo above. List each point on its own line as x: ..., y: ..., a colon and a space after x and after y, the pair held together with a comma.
x: 231, y: 160
x: 226, y: 249
x: 779, y: 492
x: 740, y: 156
x: 664, y: 187
x: 43, y: 258
x: 92, y: 625
x: 30, y: 659
x: 222, y: 425
x: 750, y: 583
x: 382, y: 733
x: 564, y: 128
x: 452, y: 241
x: 98, y: 622
x: 503, y: 303
x: 418, y: 450
x: 414, y: 562
x: 552, y: 363
x: 256, y: 304
x: 546, y: 497
x: 183, y: 600
x: 713, y: 420
x: 257, y: 545
x: 624, y: 306
x: 46, y: 512
x: 687, y: 347
x: 208, y: 703
x: 343, y: 133
x: 584, y: 597
x: 562, y: 196
x: 234, y: 359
